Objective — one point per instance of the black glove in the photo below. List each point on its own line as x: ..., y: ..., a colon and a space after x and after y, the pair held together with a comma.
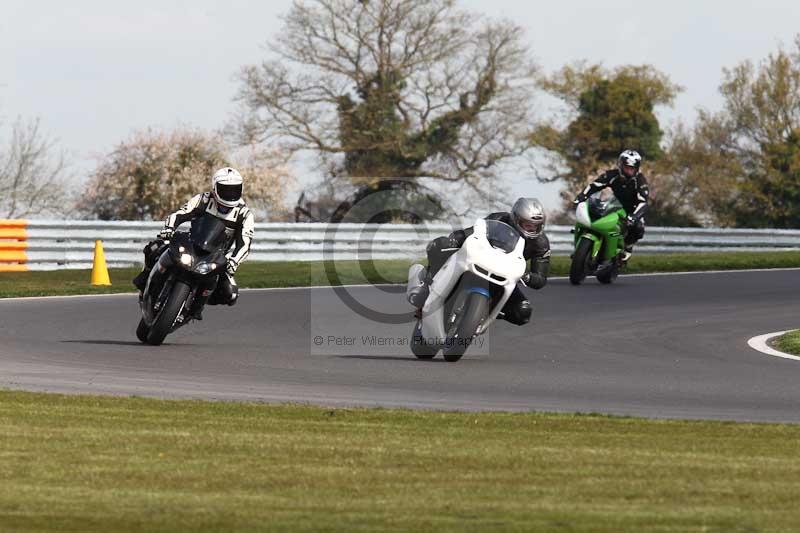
x: 166, y: 233
x: 232, y: 266
x: 526, y: 279
x: 578, y: 199
x: 451, y: 242
x: 630, y: 221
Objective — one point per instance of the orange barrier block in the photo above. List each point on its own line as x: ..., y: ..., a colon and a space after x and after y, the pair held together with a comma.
x: 13, y: 245
x: 17, y: 234
x: 13, y: 229
x: 13, y: 268
x: 13, y: 256
x: 13, y: 237
x: 13, y: 223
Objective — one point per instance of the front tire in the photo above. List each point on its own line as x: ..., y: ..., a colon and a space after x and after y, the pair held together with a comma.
x: 474, y: 311
x: 580, y: 262
x: 166, y: 317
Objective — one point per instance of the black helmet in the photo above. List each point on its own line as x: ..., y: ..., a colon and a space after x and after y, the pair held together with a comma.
x: 528, y: 217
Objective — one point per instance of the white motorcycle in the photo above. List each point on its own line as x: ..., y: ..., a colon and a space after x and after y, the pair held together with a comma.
x: 468, y: 292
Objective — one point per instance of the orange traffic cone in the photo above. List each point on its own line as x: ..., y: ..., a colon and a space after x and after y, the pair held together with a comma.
x: 99, y: 267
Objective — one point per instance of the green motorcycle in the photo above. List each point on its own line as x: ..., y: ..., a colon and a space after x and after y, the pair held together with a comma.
x: 599, y: 240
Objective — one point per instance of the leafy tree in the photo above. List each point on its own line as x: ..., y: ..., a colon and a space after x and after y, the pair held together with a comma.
x: 671, y: 179
x: 607, y: 111
x: 753, y: 144
x: 387, y: 92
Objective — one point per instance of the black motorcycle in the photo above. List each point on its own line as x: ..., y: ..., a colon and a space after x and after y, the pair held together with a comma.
x: 182, y: 269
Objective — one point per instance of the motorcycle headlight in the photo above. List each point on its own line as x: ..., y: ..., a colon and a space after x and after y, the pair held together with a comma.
x: 186, y: 259
x: 204, y: 268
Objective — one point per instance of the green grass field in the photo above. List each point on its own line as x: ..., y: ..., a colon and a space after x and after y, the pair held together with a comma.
x: 788, y: 343
x: 82, y: 463
x: 300, y: 274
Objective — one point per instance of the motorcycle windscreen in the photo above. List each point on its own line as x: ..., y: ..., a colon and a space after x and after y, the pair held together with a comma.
x: 208, y: 233
x: 501, y: 236
x: 598, y: 208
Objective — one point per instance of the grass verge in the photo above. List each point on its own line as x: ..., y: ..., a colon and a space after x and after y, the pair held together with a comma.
x: 116, y: 464
x: 303, y: 274
x: 788, y: 343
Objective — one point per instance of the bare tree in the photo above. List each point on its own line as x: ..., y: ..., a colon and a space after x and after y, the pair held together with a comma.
x: 393, y: 88
x: 267, y: 179
x: 32, y: 173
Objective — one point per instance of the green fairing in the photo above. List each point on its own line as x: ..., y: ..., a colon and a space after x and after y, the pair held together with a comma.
x: 605, y: 232
x: 596, y: 241
x: 607, y: 243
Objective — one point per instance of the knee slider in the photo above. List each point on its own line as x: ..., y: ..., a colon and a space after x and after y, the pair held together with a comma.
x: 525, y: 312
x: 521, y: 314
x: 233, y: 296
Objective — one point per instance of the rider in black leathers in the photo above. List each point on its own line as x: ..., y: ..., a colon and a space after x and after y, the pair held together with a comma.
x: 630, y: 187
x: 528, y: 217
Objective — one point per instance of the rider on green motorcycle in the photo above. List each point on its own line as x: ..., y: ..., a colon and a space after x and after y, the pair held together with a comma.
x: 630, y: 188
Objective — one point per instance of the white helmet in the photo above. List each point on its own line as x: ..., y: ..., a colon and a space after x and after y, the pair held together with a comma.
x: 226, y: 187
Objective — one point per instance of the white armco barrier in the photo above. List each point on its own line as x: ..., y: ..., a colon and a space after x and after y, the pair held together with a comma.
x: 57, y: 244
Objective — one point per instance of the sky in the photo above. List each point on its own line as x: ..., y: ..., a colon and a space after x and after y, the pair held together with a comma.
x: 95, y: 71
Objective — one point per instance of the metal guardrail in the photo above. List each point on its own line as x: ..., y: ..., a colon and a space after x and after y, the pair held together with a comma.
x: 59, y: 244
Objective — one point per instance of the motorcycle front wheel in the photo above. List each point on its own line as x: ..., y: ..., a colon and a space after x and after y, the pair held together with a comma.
x: 169, y: 312
x: 580, y: 262
x: 475, y: 309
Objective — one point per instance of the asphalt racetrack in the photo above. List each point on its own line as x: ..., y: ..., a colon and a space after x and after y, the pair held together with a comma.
x: 656, y: 346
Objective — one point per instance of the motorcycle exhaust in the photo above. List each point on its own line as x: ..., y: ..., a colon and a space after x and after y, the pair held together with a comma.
x: 417, y: 290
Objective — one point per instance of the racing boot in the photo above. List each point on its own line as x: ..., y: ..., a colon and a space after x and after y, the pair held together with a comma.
x: 196, y: 312
x: 604, y: 267
x: 199, y: 303
x: 418, y: 287
x: 151, y: 255
x: 626, y: 255
x: 140, y: 281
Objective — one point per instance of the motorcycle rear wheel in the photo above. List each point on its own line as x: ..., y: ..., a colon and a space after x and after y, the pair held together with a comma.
x: 142, y: 330
x: 609, y: 276
x: 419, y: 347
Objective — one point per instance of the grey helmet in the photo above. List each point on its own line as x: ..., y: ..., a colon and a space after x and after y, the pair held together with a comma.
x: 529, y: 217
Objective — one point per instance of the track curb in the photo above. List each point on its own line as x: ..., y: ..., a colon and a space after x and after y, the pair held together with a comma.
x: 760, y: 343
